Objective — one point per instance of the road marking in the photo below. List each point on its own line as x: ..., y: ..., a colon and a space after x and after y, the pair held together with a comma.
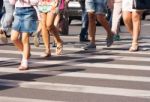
x: 123, y: 58
x: 113, y: 66
x: 106, y: 76
x: 16, y: 99
x: 77, y: 88
x: 80, y: 75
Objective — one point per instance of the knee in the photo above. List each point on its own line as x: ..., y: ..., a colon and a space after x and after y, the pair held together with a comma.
x: 91, y: 17
x: 13, y: 39
x: 50, y: 27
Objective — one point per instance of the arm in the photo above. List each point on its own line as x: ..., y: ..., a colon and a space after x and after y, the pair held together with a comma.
x: 32, y: 2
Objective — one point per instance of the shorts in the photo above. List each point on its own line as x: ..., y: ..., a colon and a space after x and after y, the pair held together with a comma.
x: 25, y: 19
x: 97, y: 6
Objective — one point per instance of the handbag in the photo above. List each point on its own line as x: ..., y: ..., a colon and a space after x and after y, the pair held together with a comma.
x: 141, y: 4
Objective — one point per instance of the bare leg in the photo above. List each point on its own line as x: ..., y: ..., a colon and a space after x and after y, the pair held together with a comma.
x: 45, y: 35
x: 16, y: 41
x: 102, y: 19
x: 127, y: 17
x: 92, y: 27
x: 136, y: 18
x: 53, y: 29
x: 26, y: 46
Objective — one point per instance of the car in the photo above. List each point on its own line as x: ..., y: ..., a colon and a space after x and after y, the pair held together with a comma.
x: 145, y: 13
x: 74, y: 10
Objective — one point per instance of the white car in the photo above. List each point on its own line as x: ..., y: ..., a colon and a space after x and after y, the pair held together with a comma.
x: 74, y: 10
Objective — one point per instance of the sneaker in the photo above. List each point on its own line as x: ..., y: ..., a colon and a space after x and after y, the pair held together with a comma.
x: 54, y: 44
x: 109, y: 40
x: 116, y: 37
x: 36, y: 40
x: 84, y: 40
x: 3, y: 37
x: 90, y: 46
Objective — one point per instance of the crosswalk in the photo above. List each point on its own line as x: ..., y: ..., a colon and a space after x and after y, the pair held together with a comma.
x: 104, y: 75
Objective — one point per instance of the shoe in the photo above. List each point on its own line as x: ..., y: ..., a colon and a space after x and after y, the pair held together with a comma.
x: 3, y: 37
x: 22, y: 68
x: 116, y: 37
x: 134, y: 47
x: 91, y: 46
x: 59, y: 49
x: 84, y: 40
x: 109, y: 40
x: 45, y: 55
x: 54, y: 44
x: 36, y: 40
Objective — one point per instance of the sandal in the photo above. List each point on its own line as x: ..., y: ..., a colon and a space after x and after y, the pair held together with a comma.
x: 3, y: 37
x: 45, y: 55
x: 134, y: 47
x: 59, y: 49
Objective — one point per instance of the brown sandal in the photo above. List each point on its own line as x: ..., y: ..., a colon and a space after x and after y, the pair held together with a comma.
x: 59, y: 49
x: 3, y: 37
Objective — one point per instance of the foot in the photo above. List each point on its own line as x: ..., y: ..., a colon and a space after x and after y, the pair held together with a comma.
x: 59, y: 49
x: 90, y: 46
x: 134, y: 47
x: 109, y: 40
x: 116, y: 37
x: 3, y: 37
x: 36, y: 40
x: 45, y: 55
x: 54, y: 44
x: 84, y: 40
x: 22, y: 68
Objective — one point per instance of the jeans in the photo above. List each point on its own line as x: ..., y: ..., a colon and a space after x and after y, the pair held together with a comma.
x: 84, y: 29
x: 7, y: 18
x: 1, y: 6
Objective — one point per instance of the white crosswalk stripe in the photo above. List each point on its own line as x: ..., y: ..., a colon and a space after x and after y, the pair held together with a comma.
x: 78, y: 62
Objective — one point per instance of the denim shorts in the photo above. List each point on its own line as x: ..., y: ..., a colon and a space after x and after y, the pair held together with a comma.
x: 97, y: 6
x: 25, y: 19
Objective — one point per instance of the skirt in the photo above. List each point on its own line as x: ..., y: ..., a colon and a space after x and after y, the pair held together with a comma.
x: 25, y: 19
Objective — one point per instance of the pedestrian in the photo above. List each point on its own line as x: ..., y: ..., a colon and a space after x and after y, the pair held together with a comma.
x: 48, y: 11
x: 96, y: 10
x: 57, y: 21
x: 132, y: 20
x: 84, y: 29
x: 6, y: 20
x: 24, y: 24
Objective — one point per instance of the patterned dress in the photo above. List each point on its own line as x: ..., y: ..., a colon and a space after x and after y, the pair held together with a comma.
x: 45, y: 6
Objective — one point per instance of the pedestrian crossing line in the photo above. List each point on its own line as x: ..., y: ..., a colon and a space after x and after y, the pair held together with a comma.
x: 106, y: 76
x: 113, y: 66
x: 109, y: 50
x: 125, y: 58
x: 96, y: 65
x: 114, y: 57
x: 16, y: 99
x: 64, y: 48
x: 16, y: 70
x: 77, y: 88
x: 81, y: 75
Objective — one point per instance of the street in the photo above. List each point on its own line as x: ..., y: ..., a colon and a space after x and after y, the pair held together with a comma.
x: 105, y: 75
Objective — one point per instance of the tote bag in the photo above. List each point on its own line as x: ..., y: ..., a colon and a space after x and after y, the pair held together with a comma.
x: 141, y: 4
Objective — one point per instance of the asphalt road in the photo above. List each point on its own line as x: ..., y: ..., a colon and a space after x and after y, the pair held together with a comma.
x: 104, y: 75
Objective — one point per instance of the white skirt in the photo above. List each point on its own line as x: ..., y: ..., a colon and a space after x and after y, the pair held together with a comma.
x: 127, y: 5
